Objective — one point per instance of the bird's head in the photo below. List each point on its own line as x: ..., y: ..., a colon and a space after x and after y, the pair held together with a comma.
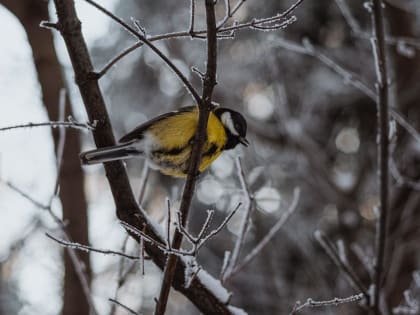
x: 235, y: 126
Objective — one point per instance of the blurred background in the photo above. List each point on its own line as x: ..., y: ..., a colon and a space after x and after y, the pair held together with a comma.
x: 308, y: 95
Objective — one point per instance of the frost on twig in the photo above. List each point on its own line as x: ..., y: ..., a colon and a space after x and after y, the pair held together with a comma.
x: 71, y: 123
x: 332, y: 302
x: 278, y: 21
x: 342, y: 265
x: 349, y: 77
x: 231, y: 263
x: 74, y: 245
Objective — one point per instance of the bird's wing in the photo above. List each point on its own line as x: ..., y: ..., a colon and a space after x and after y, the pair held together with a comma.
x: 137, y: 133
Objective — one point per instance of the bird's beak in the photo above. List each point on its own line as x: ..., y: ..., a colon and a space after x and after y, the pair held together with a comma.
x: 243, y: 141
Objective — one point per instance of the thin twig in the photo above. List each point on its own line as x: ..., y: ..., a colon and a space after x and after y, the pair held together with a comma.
x: 123, y: 306
x: 331, y: 251
x: 192, y: 17
x: 52, y: 124
x: 158, y: 244
x: 348, y: 16
x: 218, y: 229
x: 201, y: 34
x: 234, y: 257
x: 333, y: 302
x: 348, y: 77
x: 156, y: 50
x: 205, y: 226
x: 378, y: 43
x: 359, y: 33
x: 168, y: 224
x: 60, y: 143
x: 86, y: 248
x: 402, y: 180
x: 78, y: 266
x: 230, y: 12
x: 269, y: 236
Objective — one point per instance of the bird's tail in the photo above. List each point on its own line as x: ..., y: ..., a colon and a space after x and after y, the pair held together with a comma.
x: 107, y: 154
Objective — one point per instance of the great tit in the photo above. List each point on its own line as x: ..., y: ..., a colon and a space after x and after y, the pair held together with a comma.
x: 166, y: 141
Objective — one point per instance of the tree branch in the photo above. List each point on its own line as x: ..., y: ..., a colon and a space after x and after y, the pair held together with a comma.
x: 127, y: 207
x: 378, y: 43
x: 205, y: 107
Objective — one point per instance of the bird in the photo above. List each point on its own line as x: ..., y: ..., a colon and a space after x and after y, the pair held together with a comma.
x: 166, y: 141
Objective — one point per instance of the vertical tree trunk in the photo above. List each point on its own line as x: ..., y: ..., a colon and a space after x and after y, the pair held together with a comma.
x: 31, y: 13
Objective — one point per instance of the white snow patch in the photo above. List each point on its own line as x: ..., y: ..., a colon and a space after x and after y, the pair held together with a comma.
x: 214, y: 285
x: 236, y: 311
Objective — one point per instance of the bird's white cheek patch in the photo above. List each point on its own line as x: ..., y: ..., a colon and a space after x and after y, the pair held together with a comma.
x: 228, y: 123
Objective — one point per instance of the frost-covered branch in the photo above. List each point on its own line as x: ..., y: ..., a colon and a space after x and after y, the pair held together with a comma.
x: 269, y: 236
x: 86, y: 248
x: 333, y: 302
x: 349, y: 77
x: 71, y: 123
x: 249, y: 206
x: 222, y: 32
x: 127, y: 208
x: 78, y: 265
x: 140, y: 36
x: 202, y: 238
x: 332, y: 252
x: 404, y: 44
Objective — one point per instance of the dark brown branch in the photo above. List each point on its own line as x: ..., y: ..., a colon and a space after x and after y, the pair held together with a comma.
x: 205, y: 107
x: 378, y: 42
x: 127, y: 207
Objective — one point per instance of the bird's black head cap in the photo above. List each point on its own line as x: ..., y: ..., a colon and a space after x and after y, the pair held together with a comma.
x: 235, y: 126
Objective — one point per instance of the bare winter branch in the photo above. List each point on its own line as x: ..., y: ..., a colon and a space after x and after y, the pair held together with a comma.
x: 333, y: 302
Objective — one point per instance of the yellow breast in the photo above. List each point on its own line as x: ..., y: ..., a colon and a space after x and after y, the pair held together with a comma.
x: 173, y: 137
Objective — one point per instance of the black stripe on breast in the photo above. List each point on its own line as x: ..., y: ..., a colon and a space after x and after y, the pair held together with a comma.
x: 212, y: 150
x: 173, y: 151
